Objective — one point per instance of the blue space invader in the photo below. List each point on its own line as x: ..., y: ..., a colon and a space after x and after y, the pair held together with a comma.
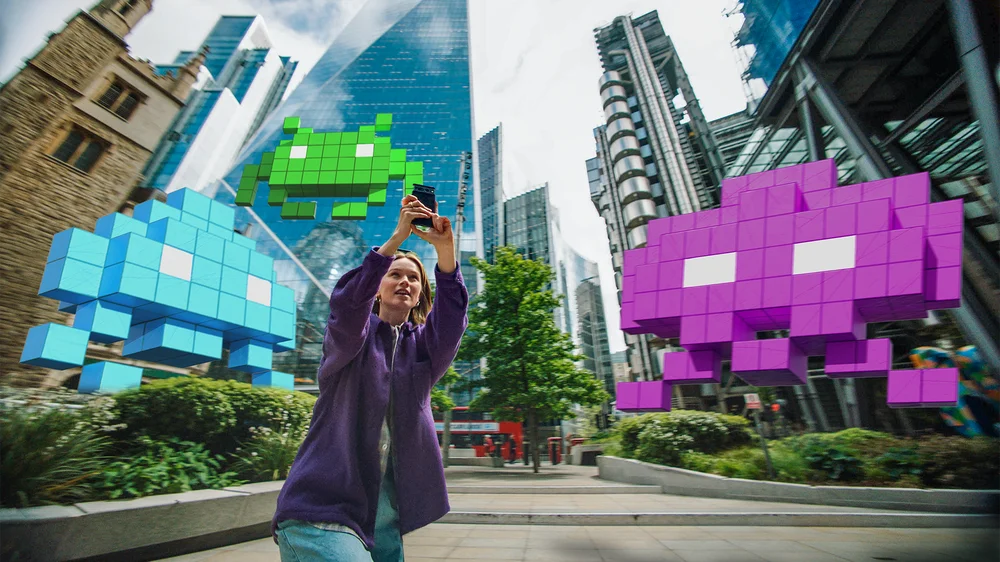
x: 175, y: 283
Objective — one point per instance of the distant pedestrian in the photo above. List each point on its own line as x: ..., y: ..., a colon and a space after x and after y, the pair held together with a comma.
x: 513, y: 450
x: 488, y: 446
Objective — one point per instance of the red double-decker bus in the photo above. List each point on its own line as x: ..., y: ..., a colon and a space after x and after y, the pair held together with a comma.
x: 469, y: 431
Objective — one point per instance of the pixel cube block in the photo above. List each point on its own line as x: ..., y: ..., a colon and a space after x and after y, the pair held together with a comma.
x: 809, y: 257
x: 175, y: 283
x: 351, y: 164
x: 275, y: 379
x: 923, y: 388
x: 108, y: 377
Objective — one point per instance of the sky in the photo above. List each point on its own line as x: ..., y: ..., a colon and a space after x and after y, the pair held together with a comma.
x: 534, y: 67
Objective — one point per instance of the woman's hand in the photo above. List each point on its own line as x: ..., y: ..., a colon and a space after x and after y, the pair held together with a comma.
x: 411, y: 208
x: 440, y: 236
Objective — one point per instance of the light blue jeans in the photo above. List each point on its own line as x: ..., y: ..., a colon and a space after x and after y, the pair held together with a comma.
x: 299, y: 541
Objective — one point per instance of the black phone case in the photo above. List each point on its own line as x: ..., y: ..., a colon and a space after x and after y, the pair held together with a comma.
x: 425, y: 194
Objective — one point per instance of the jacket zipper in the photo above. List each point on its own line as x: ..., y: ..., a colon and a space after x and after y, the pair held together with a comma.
x: 397, y: 334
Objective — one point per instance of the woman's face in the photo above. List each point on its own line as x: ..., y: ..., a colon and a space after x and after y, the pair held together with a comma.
x: 400, y: 287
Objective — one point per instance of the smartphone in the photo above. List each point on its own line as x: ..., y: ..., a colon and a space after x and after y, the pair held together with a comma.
x: 425, y: 194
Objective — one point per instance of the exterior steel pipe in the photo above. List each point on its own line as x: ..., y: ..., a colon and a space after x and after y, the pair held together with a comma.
x: 979, y: 86
x: 607, y: 79
x: 628, y: 167
x: 616, y: 110
x: 638, y: 212
x: 637, y: 237
x: 613, y: 93
x: 619, y: 127
x: 624, y: 146
x: 634, y: 188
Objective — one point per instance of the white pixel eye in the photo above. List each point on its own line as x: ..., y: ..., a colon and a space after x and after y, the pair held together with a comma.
x: 364, y: 151
x: 299, y: 152
x: 258, y: 290
x: 710, y: 270
x: 176, y: 263
x: 823, y: 255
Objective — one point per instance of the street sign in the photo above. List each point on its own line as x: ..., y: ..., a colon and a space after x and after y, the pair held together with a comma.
x: 753, y: 401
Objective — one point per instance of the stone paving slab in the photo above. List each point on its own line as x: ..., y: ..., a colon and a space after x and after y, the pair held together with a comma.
x: 680, y: 544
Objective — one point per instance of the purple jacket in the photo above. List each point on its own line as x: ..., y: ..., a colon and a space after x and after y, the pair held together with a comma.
x: 336, y: 477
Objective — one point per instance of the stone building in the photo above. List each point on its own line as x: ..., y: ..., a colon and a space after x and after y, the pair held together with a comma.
x: 79, y: 121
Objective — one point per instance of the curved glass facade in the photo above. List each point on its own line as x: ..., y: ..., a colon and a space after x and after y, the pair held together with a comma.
x: 407, y: 58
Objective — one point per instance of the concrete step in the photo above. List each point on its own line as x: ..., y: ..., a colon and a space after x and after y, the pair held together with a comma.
x: 744, y: 519
x: 536, y: 489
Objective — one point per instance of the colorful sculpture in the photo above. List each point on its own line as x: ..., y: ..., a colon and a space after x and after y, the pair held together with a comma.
x: 789, y: 250
x: 175, y: 283
x: 978, y: 409
x: 343, y: 165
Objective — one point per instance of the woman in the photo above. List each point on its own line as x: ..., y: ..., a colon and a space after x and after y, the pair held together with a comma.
x: 370, y: 468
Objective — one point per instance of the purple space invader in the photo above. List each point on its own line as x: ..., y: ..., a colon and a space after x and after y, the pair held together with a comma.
x: 789, y: 250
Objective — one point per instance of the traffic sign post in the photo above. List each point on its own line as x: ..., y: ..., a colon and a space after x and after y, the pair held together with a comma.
x: 753, y: 403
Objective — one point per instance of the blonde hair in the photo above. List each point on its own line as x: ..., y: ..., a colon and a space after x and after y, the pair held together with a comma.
x: 418, y: 314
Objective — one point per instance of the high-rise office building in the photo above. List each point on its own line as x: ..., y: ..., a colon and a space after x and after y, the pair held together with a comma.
x: 409, y: 58
x: 244, y: 80
x: 654, y: 159
x: 530, y: 225
x: 589, y: 328
x: 491, y: 189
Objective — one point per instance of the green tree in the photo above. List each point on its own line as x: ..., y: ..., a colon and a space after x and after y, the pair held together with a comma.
x: 531, y: 373
x: 441, y: 393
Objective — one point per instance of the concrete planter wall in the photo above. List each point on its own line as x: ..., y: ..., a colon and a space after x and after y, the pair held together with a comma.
x: 585, y: 452
x: 139, y: 529
x: 689, y: 483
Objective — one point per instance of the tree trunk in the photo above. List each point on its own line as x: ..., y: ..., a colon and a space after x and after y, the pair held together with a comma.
x: 535, y: 446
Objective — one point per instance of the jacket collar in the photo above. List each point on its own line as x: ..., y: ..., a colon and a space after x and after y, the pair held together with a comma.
x: 405, y: 327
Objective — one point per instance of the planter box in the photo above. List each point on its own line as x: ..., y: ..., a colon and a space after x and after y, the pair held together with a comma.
x: 682, y: 482
x: 140, y: 529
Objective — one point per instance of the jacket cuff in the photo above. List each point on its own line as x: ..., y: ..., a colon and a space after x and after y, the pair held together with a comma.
x: 375, y: 258
x: 448, y: 277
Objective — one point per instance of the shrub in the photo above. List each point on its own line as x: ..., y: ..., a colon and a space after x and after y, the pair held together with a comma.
x: 48, y: 455
x: 272, y: 408
x: 188, y: 409
x: 164, y: 467
x: 269, y: 454
x: 218, y: 413
x: 688, y: 430
x: 896, y: 463
x: 749, y: 462
x: 957, y: 462
x: 628, y: 432
x: 662, y: 441
x: 833, y: 460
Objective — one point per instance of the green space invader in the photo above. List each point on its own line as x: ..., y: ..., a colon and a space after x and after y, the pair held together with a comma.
x: 339, y: 164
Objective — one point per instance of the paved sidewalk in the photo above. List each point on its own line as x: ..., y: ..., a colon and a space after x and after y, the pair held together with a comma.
x: 680, y: 544
x: 637, y: 543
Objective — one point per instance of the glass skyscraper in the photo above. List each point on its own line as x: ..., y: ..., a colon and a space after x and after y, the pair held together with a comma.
x: 243, y: 80
x: 491, y: 186
x: 404, y: 57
